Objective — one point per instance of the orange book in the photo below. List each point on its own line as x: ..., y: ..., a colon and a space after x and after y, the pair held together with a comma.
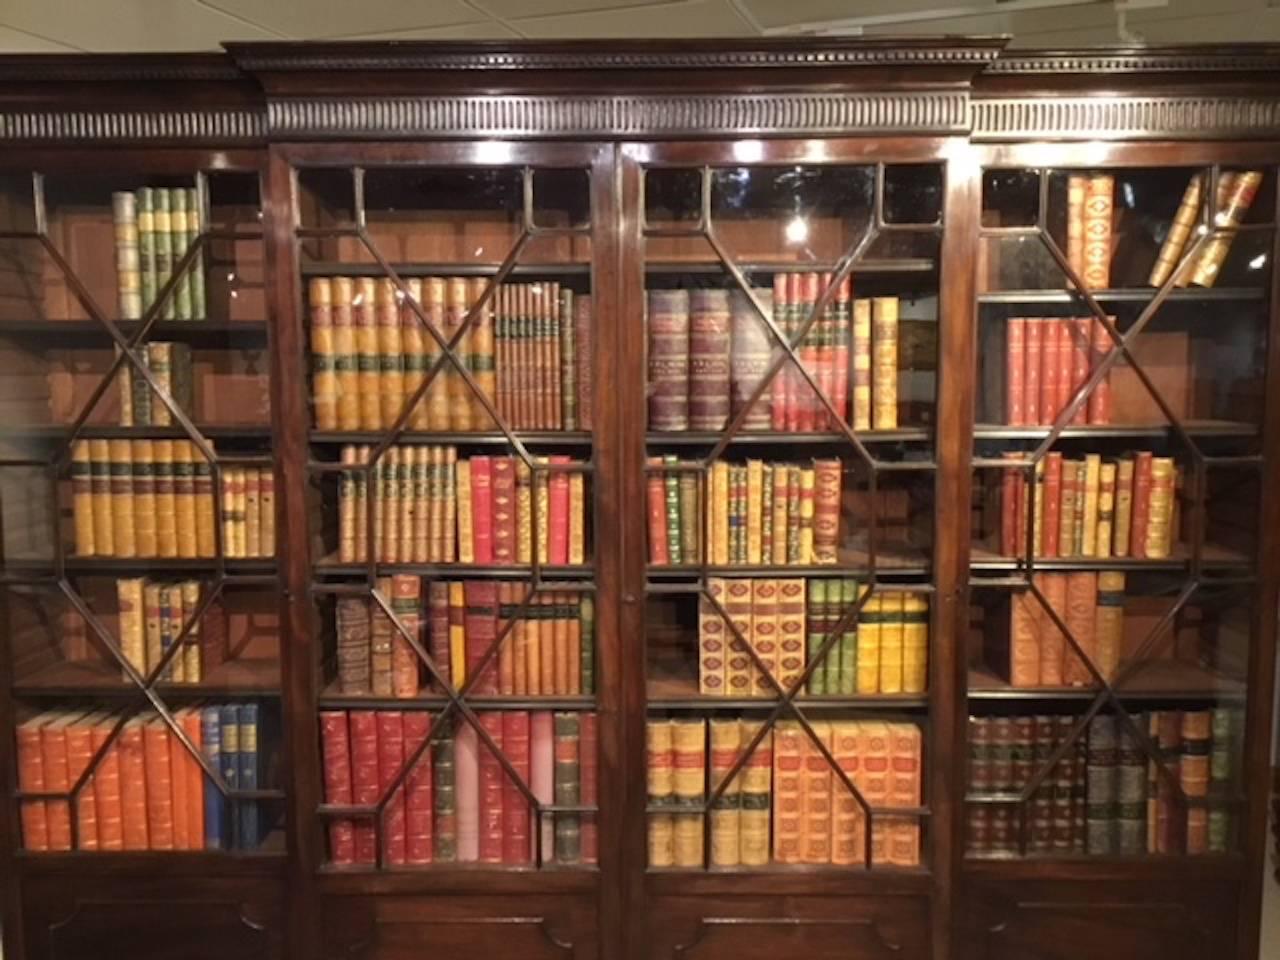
x: 79, y: 753
x: 788, y: 792
x: 1024, y: 644
x: 106, y: 787
x: 133, y: 786
x: 1082, y: 601
x: 57, y: 778
x: 873, y: 744
x: 190, y: 723
x: 158, y: 790
x: 390, y: 352
x: 179, y: 784
x: 364, y: 321
x: 1099, y: 204
x: 346, y: 356
x: 560, y: 642
x: 848, y: 825
x: 1053, y: 645
x: 34, y: 813
x: 905, y: 747
x: 458, y: 393
x: 817, y: 798
x: 324, y: 381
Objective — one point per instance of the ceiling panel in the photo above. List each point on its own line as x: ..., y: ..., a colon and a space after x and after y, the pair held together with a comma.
x: 315, y: 19
x: 489, y: 30
x: 123, y: 25
x: 15, y: 41
x: 695, y: 18
x: 773, y: 15
x: 546, y: 8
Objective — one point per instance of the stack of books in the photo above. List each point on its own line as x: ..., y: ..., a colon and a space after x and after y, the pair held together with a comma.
x: 153, y: 615
x: 155, y: 227
x: 1035, y: 653
x: 458, y: 803
x: 1236, y: 190
x: 1048, y: 360
x: 170, y: 366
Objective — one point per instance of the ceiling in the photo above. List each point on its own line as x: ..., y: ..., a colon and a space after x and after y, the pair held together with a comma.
x: 67, y: 26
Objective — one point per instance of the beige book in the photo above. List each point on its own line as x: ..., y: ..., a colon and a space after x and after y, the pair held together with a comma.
x: 755, y: 509
x: 1123, y: 508
x: 130, y: 604
x: 1089, y: 507
x: 726, y: 810
x: 466, y: 543
x: 1106, y: 509
x: 884, y: 354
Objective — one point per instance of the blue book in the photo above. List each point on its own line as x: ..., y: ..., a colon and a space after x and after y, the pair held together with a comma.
x: 211, y: 740
x: 230, y: 715
x: 248, y: 774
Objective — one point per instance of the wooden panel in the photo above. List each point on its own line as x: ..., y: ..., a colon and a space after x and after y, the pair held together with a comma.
x: 470, y: 928
x: 768, y: 928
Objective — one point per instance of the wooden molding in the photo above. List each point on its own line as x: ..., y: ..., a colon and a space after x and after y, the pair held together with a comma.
x: 1220, y: 59
x: 1128, y: 118
x: 75, y: 126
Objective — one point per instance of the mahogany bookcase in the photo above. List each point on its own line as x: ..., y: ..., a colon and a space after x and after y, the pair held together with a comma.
x: 932, y: 171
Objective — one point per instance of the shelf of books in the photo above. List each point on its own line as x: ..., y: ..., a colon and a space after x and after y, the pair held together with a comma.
x: 1122, y: 317
x: 792, y: 370
x: 138, y: 573
x: 450, y: 330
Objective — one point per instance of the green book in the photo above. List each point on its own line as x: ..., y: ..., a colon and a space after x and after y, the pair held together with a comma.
x: 568, y: 364
x: 181, y: 377
x: 567, y: 779
x: 587, y: 614
x: 848, y: 645
x: 689, y: 517
x: 793, y: 515
x: 444, y: 798
x: 164, y: 248
x: 672, y: 480
x: 199, y: 309
x: 1220, y: 778
x: 178, y: 250
x: 766, y: 514
x: 147, y: 246
x: 815, y: 628
x: 833, y: 610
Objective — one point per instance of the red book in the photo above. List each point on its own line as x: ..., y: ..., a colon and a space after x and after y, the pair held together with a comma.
x: 558, y: 494
x: 778, y: 388
x: 390, y: 760
x: 106, y: 788
x: 492, y: 777
x: 1052, y: 503
x: 1050, y: 332
x: 57, y: 779
x: 515, y: 806
x: 79, y: 753
x: 504, y: 510
x: 438, y: 612
x: 159, y: 785
x: 364, y: 779
x: 1015, y: 411
x: 1100, y: 399
x: 133, y: 781
x: 480, y: 623
x: 590, y: 786
x: 482, y: 509
x: 35, y: 821
x: 657, y: 497
x: 795, y: 382
x: 1064, y: 362
x: 1081, y: 337
x: 1010, y: 508
x: 1141, y: 508
x: 417, y: 789
x: 335, y: 746
x: 824, y: 333
x: 1031, y: 371
x: 808, y: 405
x: 842, y: 332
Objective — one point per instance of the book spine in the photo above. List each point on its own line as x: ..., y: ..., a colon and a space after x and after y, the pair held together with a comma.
x: 1024, y: 647
x: 1123, y: 507
x: 457, y: 633
x: 766, y: 513
x: 669, y: 324
x: 247, y: 774
x: 418, y: 799
x: 1011, y: 511
x: 516, y: 837
x: 848, y: 669
x: 413, y: 343
x: 1099, y: 204
x: 100, y: 493
x: 739, y: 669
x: 434, y: 414
x: 489, y: 793
x: 483, y: 359
x: 568, y: 793
x: 364, y: 326
x: 568, y: 349
x: 390, y: 352
x: 558, y: 513
x: 791, y: 631
x: 1081, y: 621
x: 157, y: 788
x: 671, y: 500
x: 826, y: 519
x: 195, y: 273
x: 788, y: 792
x: 815, y: 634
x: 1070, y: 508
x: 481, y: 624
x: 842, y: 350
x: 726, y: 809
x: 1101, y: 787
x: 885, y: 357
x: 713, y: 633
x: 82, y: 497
x: 108, y: 809
x: 891, y: 642
x: 582, y: 320
x: 1050, y: 331
x: 336, y: 764
x: 848, y: 827
x: 1160, y: 506
x: 862, y: 364
x: 133, y: 778
x: 124, y: 210
x: 1052, y: 505
x: 589, y: 785
x: 690, y: 513
x: 444, y: 798
x: 764, y: 634
x: 659, y: 552
x: 755, y: 510
x: 660, y: 791
x: 542, y: 780
x: 1109, y: 622
x: 1079, y: 331
x: 122, y: 503
x: 1100, y: 400
x: 749, y: 359
x: 1141, y: 504
x: 755, y: 789
x: 1240, y: 192
x: 144, y: 205
x: 1089, y: 505
x: 870, y: 630
x: 806, y: 397
x: 1175, y: 241
x: 353, y: 645
x: 1033, y: 357
x: 213, y: 802
x: 178, y: 239
x: 33, y: 814
x: 406, y: 600
x: 1053, y: 644
x: 79, y: 751
x: 523, y: 513
x: 689, y: 752
x: 587, y: 639
x: 915, y: 643
x: 806, y: 516
x: 1106, y: 509
x: 708, y: 346
x: 1076, y: 189
x: 905, y: 768
x: 185, y: 454
x: 163, y: 240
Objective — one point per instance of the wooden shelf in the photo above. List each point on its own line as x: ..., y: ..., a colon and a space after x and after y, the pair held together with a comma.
x: 91, y: 678
x: 681, y: 693
x: 206, y: 334
x: 456, y: 571
x: 1138, y: 295
x: 333, y: 698
x: 54, y: 433
x: 335, y: 268
x: 140, y: 566
x: 764, y: 438
x: 983, y: 560
x: 1156, y: 680
x: 786, y: 879
x: 531, y: 438
x: 906, y: 265
x: 1206, y: 429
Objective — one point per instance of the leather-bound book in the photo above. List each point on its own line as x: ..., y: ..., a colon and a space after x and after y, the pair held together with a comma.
x: 413, y: 341
x: 588, y: 759
x: 159, y: 362
x: 1160, y: 506
x: 1100, y: 400
x: 159, y: 784
x: 231, y: 769
x: 669, y: 337
x: 368, y: 373
x: 488, y: 789
x: 671, y: 510
x: 848, y: 824
x: 1131, y: 791
x: 188, y: 822
x: 1024, y: 643
x: 587, y: 619
x: 810, y: 354
x: 1015, y: 396
x: 166, y: 500
x: 144, y: 204
x: 764, y: 634
x: 1077, y: 187
x: 524, y: 505
x: 444, y: 796
x: 133, y: 785
x: 1053, y: 644
x: 826, y: 533
x: 915, y: 641
x: 122, y: 505
x: 874, y: 741
x: 335, y: 755
x: 1141, y: 504
x: 891, y: 642
x: 755, y: 793
x: 1222, y: 777
x: 690, y: 514
x: 766, y: 512
x: 709, y: 343
x: 504, y: 511
x: 1052, y: 505
x: 106, y: 786
x: 567, y: 350
x: 862, y: 364
x: 481, y: 631
x: 815, y: 623
x: 457, y: 633
x: 1037, y: 517
x: 1081, y: 621
x: 100, y: 495
x: 779, y: 387
x: 568, y: 790
x: 542, y: 779
x: 354, y: 665
x: 363, y: 726
x: 660, y: 791
x: 1175, y: 241
x: 584, y: 359
x: 906, y: 763
x: 247, y: 774
x: 1033, y: 360
x: 215, y: 804
x: 791, y: 631
x: 1106, y: 509
x: 418, y: 801
x: 754, y: 508
x: 434, y: 414
x: 817, y: 793
x: 749, y: 359
x: 841, y: 337
x: 33, y: 814
x: 161, y: 212
x: 789, y: 741
x: 1079, y: 332
x: 870, y: 632
x: 739, y: 670
x: 884, y: 321
x: 1050, y: 333
x: 178, y: 241
x: 406, y: 604
x: 82, y: 498
x: 1102, y: 786
x: 1123, y: 512
x: 689, y: 750
x: 1089, y: 505
x: 482, y: 358
x: 712, y: 642
x: 124, y: 214
x: 807, y: 506
x: 346, y: 361
x: 1193, y: 776
x: 1099, y: 205
x: 1012, y: 513
x: 184, y: 499
x: 557, y: 523
x: 1239, y: 194
x: 848, y: 646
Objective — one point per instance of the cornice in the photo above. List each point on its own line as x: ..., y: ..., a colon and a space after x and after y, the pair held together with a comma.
x: 1103, y: 60
x: 106, y: 68
x: 234, y: 125
x: 1127, y: 118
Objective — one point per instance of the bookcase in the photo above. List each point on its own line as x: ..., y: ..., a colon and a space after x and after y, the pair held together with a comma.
x: 638, y: 500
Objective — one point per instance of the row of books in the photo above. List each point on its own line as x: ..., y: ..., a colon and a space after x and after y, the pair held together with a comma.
x: 153, y: 616
x: 710, y: 351
x: 547, y: 651
x: 147, y: 791
x: 1092, y: 507
x: 528, y: 351
x: 1106, y: 795
x: 1048, y: 360
x: 459, y: 801
x: 154, y: 498
x: 154, y: 228
x: 1236, y: 191
x: 786, y: 804
x: 756, y: 513
x: 430, y: 506
x: 1090, y: 605
x: 786, y: 622
x: 170, y: 366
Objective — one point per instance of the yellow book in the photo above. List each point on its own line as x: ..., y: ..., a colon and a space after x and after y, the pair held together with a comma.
x: 237, y: 490
x: 450, y: 504
x: 740, y: 669
x: 689, y: 745
x: 806, y: 515
x: 1106, y: 508
x: 191, y: 665
x: 422, y: 512
x: 726, y: 810
x: 457, y: 635
x: 144, y: 499
x: 1037, y: 523
x: 755, y: 508
x: 1109, y: 622
x: 788, y: 792
x: 884, y: 354
x: 756, y: 791
x: 252, y: 514
x: 577, y: 519
x: 166, y: 502
x: 206, y: 544
x: 1159, y: 541
x: 459, y: 393
x: 780, y: 519
x: 1089, y: 506
x: 870, y: 628
x: 152, y: 613
x: 435, y: 503
x: 915, y: 642
x: 524, y: 513
x: 124, y: 387
x: 130, y: 604
x: 364, y: 319
x: 1124, y: 507
x: 466, y: 552
x: 413, y: 341
x: 389, y: 507
x: 862, y: 364
x: 184, y: 497
x: 122, y: 532
x: 390, y: 352
x: 324, y: 379
x: 267, y: 512
x: 482, y: 359
x: 661, y: 789
x: 171, y: 617
x: 437, y: 408
x: 228, y: 497
x: 719, y: 513
x: 891, y: 642
x: 542, y: 498
x: 100, y: 494
x: 82, y: 497
x: 346, y: 354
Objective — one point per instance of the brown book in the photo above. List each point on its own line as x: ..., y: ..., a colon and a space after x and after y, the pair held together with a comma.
x: 1100, y: 401
x: 668, y: 359
x: 1076, y: 189
x: 122, y: 503
x: 1099, y: 204
x: 353, y: 645
x: 1081, y: 620
x: 1141, y: 504
x: 826, y: 510
x: 1024, y: 642
x: 584, y: 358
x: 1109, y: 628
x: 166, y: 501
x: 1052, y: 498
x: 750, y: 357
x: 1053, y: 643
x: 381, y: 632
x: 1032, y: 364
x: 709, y: 323
x: 1159, y: 513
x: 346, y: 358
x: 184, y: 497
x: 406, y: 604
x: 324, y: 380
x: 1175, y: 241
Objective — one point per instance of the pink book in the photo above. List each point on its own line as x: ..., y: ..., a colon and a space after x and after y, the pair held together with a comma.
x: 482, y: 509
x: 541, y: 777
x: 515, y: 806
x: 467, y: 775
x: 558, y: 535
x: 418, y: 800
x: 491, y: 778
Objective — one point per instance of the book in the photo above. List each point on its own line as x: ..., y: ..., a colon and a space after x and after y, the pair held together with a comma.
x: 336, y: 765
x: 862, y: 408
x: 542, y: 780
x: 708, y: 359
x: 660, y: 792
x: 124, y: 211
x: 816, y: 790
x: 489, y: 788
x: 751, y: 353
x: 712, y: 641
x: 826, y: 518
x: 669, y: 322
x: 788, y: 792
x: 567, y: 787
x: 33, y: 814
x: 1033, y: 353
x: 1077, y: 189
x: 1239, y: 192
x: 1099, y: 203
x: 418, y: 799
x: 1175, y: 241
x: 726, y: 804
x: 885, y: 363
